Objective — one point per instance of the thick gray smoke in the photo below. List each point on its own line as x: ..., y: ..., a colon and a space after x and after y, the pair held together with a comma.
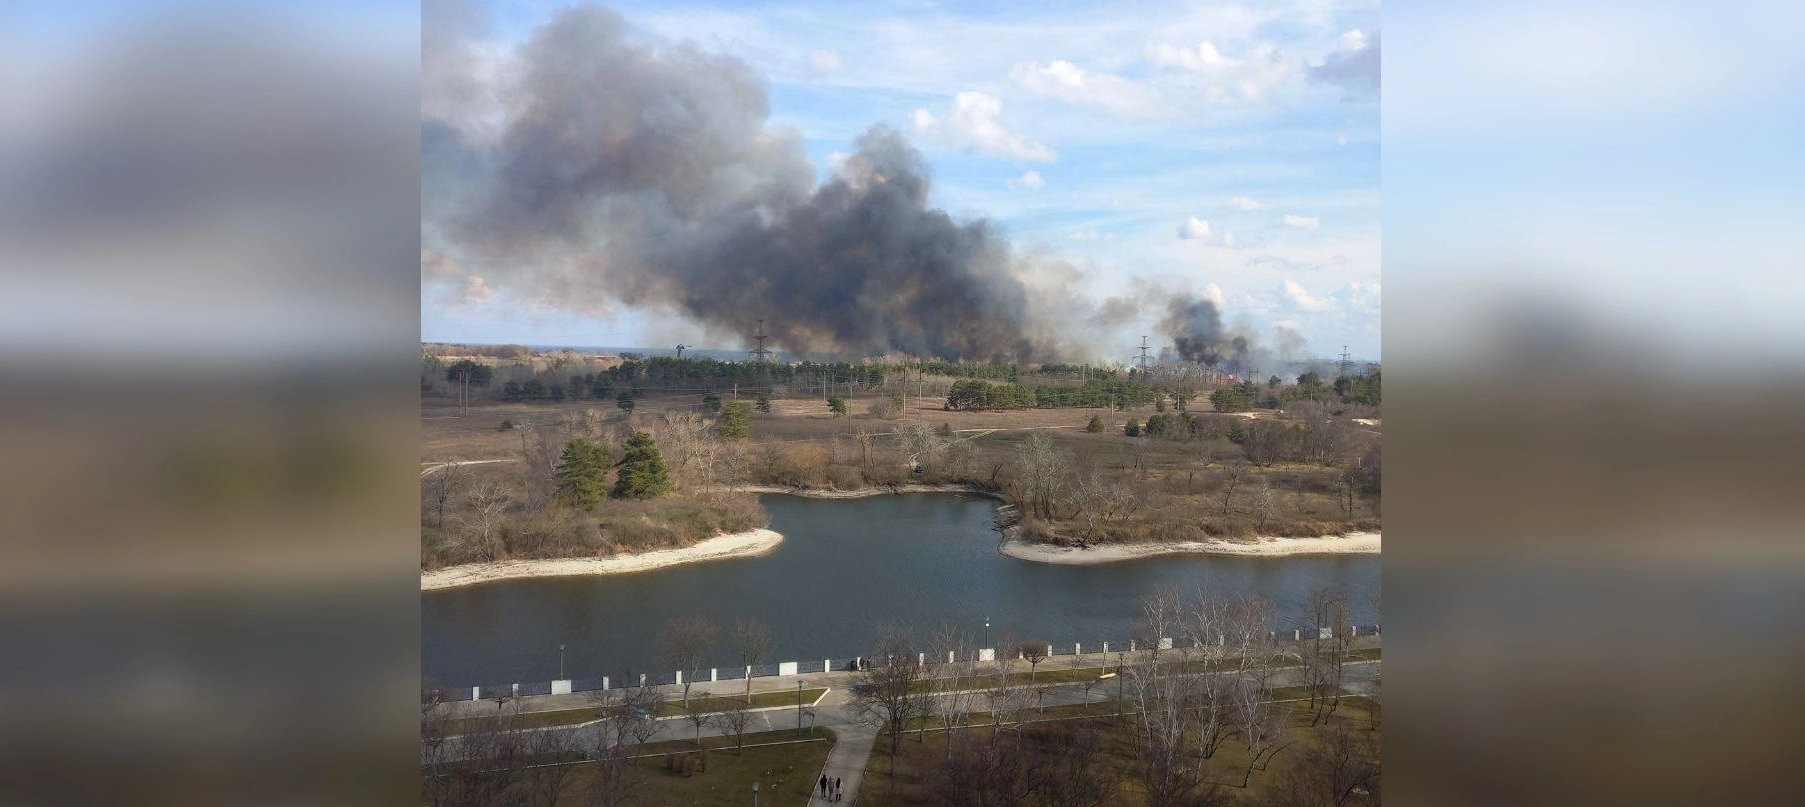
x: 645, y: 175
x: 1195, y: 328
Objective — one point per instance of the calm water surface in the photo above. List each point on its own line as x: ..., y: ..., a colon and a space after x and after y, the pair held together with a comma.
x: 845, y: 567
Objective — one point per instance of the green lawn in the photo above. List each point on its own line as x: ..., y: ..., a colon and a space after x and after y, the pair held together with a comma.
x: 785, y: 773
x: 584, y: 714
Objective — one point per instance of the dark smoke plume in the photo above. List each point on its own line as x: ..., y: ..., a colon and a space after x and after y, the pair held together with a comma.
x: 645, y: 175
x: 1195, y: 328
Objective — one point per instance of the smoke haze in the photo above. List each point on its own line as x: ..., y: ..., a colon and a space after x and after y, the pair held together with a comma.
x: 600, y: 171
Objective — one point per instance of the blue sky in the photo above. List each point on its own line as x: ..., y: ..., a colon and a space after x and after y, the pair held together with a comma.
x: 1223, y: 149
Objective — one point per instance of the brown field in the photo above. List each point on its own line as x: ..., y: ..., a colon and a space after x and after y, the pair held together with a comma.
x: 1114, y: 488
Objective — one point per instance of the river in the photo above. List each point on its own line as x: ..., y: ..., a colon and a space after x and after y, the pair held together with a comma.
x: 845, y: 567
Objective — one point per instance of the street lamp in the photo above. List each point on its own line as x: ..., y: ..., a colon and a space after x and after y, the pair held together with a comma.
x: 987, y: 630
x: 1121, y: 660
x: 560, y: 661
x: 799, y: 683
x: 754, y: 794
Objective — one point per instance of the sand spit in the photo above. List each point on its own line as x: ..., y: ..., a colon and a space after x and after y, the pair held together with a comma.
x: 1351, y: 543
x: 733, y: 545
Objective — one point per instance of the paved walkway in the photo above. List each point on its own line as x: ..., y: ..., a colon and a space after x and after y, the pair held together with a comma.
x: 846, y: 762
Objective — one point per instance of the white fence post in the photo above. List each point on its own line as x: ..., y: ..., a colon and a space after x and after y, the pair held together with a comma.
x: 714, y: 674
x: 604, y: 682
x: 476, y: 693
x: 748, y: 671
x: 1165, y: 644
x: 952, y: 656
x: 642, y: 679
x: 1106, y: 648
x: 1077, y: 648
x: 561, y: 687
x: 786, y: 668
x: 516, y: 690
x: 679, y: 676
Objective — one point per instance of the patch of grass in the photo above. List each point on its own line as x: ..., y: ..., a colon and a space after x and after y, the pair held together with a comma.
x: 716, y: 703
x: 914, y: 779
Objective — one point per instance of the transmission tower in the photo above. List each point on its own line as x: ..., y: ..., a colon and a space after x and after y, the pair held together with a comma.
x: 760, y: 353
x: 1144, y: 347
x: 1347, y: 363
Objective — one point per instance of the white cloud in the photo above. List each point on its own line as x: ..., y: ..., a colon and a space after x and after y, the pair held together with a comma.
x: 1194, y: 229
x: 1298, y: 298
x: 1228, y: 239
x: 1091, y: 235
x: 1213, y: 293
x: 1244, y: 203
x: 1228, y: 80
x: 824, y: 61
x: 972, y: 124
x: 1030, y: 180
x: 1341, y: 139
x: 1354, y: 65
x: 1302, y: 222
x: 1064, y: 81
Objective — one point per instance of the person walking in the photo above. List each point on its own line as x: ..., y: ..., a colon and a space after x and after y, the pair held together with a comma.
x: 838, y: 793
x: 824, y: 786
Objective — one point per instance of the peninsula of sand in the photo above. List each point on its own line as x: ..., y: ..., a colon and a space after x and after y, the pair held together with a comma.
x: 734, y: 545
x: 1351, y: 543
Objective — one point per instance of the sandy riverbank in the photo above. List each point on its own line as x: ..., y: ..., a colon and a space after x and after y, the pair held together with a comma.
x: 1352, y: 543
x: 860, y: 493
x: 734, y: 545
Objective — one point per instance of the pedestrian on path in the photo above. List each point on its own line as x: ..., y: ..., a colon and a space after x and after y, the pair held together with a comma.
x: 824, y: 786
x: 837, y: 791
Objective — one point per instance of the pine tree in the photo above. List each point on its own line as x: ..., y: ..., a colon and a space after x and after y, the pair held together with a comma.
x: 642, y: 471
x: 837, y: 406
x: 764, y: 404
x: 1095, y: 426
x: 736, y: 421
x: 1132, y: 429
x: 582, y: 473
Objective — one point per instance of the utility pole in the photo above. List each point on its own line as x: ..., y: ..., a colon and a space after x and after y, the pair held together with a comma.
x: 464, y: 401
x: 759, y: 353
x: 1347, y: 362
x: 1144, y: 354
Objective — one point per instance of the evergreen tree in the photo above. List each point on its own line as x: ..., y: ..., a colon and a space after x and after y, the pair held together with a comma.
x: 582, y: 473
x: 1095, y: 426
x: 625, y: 401
x: 711, y: 403
x: 736, y: 421
x: 1132, y: 429
x: 764, y: 404
x: 642, y: 471
x: 837, y: 406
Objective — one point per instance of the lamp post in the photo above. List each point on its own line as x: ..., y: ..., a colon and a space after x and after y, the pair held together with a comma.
x: 560, y: 661
x: 799, y: 683
x: 987, y: 630
x: 1121, y: 660
x: 754, y: 794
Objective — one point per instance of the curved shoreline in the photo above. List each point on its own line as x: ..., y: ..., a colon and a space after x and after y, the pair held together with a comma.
x: 1366, y: 543
x: 860, y: 493
x: 732, y: 545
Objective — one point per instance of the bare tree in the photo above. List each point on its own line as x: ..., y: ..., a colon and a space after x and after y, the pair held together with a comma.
x: 1040, y: 469
x: 752, y: 644
x: 684, y: 441
x: 1232, y: 477
x: 487, y: 509
x: 550, y: 752
x: 732, y: 719
x: 1340, y: 770
x: 885, y: 694
x: 950, y: 642
x: 1255, y: 716
x: 1034, y: 652
x: 684, y: 642
x: 442, y: 486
